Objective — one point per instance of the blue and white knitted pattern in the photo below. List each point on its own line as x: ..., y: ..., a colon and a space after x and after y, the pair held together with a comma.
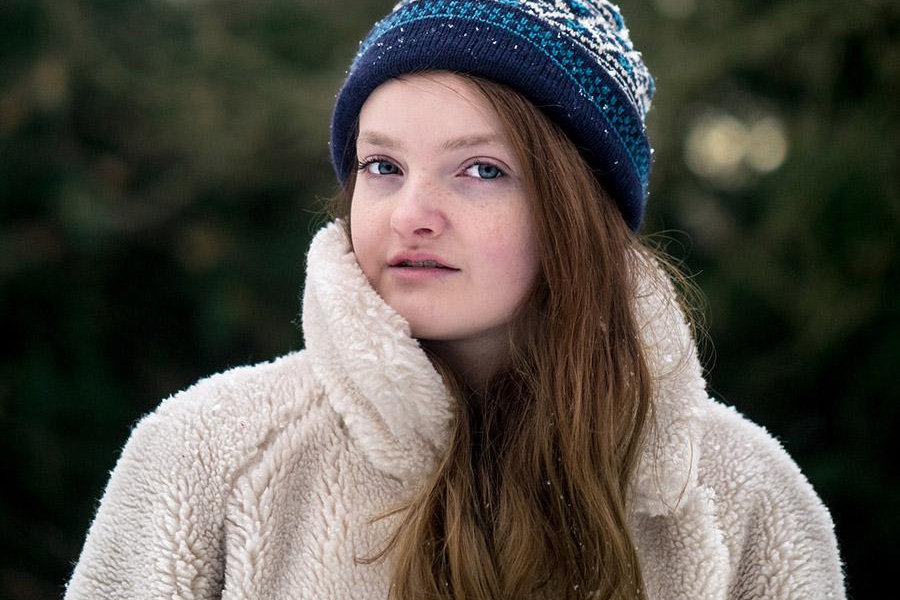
x: 571, y: 58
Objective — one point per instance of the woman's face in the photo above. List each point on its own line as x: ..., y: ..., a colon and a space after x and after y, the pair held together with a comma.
x: 440, y: 220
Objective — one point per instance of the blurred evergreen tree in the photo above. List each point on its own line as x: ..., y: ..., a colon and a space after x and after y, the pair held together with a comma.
x: 161, y: 165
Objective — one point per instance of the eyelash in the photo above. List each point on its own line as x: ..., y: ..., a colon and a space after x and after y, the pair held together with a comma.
x: 361, y: 166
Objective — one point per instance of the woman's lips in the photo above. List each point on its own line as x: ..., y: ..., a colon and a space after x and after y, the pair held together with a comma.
x: 411, y: 260
x: 413, y: 273
x: 420, y: 273
x: 418, y: 266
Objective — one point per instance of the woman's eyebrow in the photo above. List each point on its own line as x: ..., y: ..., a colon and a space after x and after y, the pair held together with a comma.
x: 472, y: 140
x: 379, y: 139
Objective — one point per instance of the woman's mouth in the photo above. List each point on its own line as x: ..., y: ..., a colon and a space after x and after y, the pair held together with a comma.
x: 422, y: 263
x: 420, y: 268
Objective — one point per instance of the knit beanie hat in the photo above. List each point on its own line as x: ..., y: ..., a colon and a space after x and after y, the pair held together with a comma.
x: 572, y: 58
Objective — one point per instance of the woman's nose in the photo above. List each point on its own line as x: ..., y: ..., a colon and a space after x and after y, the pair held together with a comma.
x: 418, y: 210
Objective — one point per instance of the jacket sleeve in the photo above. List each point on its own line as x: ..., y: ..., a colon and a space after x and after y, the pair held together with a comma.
x: 781, y: 535
x: 790, y: 549
x: 157, y: 531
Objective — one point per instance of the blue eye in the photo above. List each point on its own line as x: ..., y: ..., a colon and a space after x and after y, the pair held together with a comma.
x: 486, y: 171
x: 382, y: 167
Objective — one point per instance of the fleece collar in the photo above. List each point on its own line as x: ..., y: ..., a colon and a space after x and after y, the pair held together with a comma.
x: 395, y: 405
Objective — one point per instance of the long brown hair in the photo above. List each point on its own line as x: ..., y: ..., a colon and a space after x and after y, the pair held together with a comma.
x: 532, y: 496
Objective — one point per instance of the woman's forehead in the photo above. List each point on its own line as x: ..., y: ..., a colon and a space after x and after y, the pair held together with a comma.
x: 444, y: 109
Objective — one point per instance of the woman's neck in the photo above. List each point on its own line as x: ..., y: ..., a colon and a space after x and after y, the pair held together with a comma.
x: 475, y: 360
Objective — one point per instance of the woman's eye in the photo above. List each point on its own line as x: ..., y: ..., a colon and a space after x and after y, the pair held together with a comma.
x: 378, y: 167
x: 484, y: 171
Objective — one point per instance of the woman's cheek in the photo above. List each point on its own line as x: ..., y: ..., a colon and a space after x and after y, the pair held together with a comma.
x: 363, y: 236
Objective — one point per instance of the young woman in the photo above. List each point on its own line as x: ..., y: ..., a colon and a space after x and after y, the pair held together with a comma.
x: 499, y: 396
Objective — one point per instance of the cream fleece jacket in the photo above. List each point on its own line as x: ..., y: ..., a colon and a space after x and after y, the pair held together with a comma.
x: 259, y: 483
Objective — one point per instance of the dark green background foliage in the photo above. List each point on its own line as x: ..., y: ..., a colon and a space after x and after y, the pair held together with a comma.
x: 162, y: 165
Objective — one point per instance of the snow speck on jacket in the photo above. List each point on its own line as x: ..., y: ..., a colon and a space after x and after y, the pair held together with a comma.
x: 260, y: 482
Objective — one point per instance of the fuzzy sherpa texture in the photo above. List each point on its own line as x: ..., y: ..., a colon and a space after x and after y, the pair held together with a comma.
x: 259, y: 483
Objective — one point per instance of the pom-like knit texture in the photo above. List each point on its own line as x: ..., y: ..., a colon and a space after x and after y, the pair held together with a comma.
x: 571, y: 58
